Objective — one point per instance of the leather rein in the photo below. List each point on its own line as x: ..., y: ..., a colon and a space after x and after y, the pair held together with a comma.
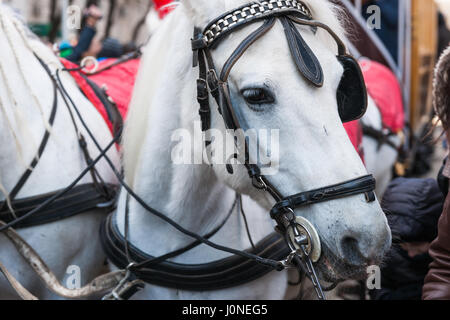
x: 77, y: 200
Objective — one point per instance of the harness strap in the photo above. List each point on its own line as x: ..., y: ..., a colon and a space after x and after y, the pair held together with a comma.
x: 173, y: 254
x: 110, y: 106
x: 225, y: 273
x: 61, y: 193
x: 380, y: 136
x: 125, y: 58
x: 24, y: 178
x: 78, y: 200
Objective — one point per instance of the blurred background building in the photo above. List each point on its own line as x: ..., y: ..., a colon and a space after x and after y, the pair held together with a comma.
x: 123, y: 19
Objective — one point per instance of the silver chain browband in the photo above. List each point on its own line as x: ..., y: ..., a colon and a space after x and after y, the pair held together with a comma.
x: 244, y: 14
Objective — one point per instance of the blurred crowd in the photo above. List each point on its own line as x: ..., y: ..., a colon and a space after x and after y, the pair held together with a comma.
x: 418, y: 210
x: 86, y: 44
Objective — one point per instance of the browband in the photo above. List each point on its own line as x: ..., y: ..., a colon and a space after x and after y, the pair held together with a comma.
x: 232, y: 20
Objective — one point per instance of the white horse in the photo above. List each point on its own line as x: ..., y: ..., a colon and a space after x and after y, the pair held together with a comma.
x: 314, y: 151
x: 380, y: 159
x: 26, y: 98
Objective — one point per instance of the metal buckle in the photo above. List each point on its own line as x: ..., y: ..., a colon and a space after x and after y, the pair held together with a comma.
x: 259, y: 183
x: 202, y: 90
x: 199, y: 41
x: 106, y: 204
x: 287, y: 263
x: 115, y: 294
x: 213, y: 80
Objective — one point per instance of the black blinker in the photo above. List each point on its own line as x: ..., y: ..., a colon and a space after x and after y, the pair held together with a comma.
x: 351, y: 93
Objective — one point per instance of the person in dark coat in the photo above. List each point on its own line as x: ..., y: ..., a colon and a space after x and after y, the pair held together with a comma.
x: 437, y: 281
x: 413, y: 208
x: 87, y: 44
x: 87, y: 34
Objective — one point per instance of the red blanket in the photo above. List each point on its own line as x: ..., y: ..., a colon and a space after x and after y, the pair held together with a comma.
x: 384, y: 88
x: 118, y: 81
x: 161, y: 6
x: 354, y: 131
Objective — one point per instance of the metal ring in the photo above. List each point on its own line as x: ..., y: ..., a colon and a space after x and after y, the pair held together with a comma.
x: 131, y: 265
x: 314, y: 247
x: 259, y: 183
x: 85, y: 60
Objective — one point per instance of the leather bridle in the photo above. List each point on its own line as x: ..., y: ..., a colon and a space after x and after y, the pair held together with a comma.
x: 209, y: 83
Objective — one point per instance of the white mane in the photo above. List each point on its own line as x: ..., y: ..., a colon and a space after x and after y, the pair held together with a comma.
x: 17, y: 33
x: 156, y: 55
x: 19, y: 38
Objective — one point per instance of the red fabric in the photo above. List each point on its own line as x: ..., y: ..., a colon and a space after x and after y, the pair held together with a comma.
x: 87, y: 90
x: 119, y: 81
x: 162, y: 11
x: 385, y: 90
x: 355, y: 133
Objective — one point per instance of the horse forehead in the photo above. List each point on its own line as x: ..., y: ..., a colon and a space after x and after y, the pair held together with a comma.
x: 270, y: 58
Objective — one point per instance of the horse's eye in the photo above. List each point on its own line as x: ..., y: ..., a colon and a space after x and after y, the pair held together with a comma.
x: 257, y: 96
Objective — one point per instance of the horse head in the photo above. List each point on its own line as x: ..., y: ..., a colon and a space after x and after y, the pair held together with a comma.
x: 287, y: 76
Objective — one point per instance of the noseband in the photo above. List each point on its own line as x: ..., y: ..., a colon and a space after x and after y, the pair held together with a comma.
x: 351, y: 101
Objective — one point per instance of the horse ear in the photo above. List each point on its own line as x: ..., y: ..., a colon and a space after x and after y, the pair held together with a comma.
x: 202, y: 11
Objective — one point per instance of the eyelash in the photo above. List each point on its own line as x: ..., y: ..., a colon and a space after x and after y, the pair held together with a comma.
x: 265, y: 95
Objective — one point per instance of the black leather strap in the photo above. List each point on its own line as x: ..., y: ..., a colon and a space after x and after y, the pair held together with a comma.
x: 78, y: 200
x: 381, y: 137
x: 26, y: 175
x: 243, y: 46
x: 305, y: 60
x: 365, y: 184
x: 224, y: 273
x: 110, y: 106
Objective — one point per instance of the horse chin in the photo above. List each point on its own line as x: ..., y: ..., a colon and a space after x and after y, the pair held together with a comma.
x: 333, y: 269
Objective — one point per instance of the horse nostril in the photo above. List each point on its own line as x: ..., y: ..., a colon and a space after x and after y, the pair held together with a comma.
x: 351, y: 251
